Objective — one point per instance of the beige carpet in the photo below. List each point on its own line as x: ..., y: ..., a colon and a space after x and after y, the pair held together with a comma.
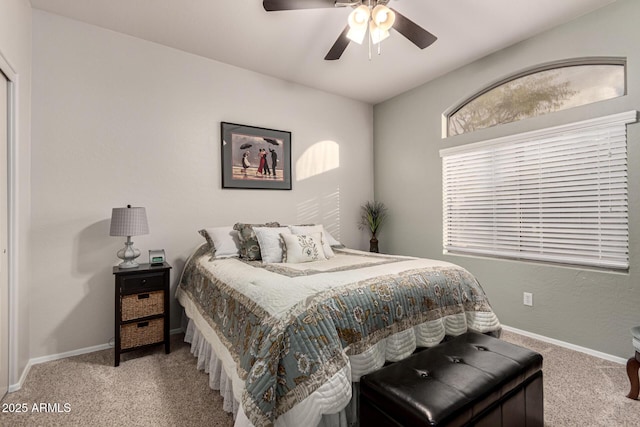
x: 149, y: 388
x: 154, y: 389
x: 582, y: 390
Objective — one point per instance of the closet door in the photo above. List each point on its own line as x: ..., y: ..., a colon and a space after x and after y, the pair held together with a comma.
x: 4, y: 273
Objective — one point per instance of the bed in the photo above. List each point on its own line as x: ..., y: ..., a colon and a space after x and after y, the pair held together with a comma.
x: 287, y: 342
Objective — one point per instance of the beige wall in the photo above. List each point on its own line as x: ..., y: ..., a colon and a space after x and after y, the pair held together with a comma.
x: 593, y: 309
x: 119, y: 120
x: 15, y: 49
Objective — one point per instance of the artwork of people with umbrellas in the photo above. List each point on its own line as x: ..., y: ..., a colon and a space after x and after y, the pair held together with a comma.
x: 256, y: 157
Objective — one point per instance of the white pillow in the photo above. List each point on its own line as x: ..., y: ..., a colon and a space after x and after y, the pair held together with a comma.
x: 332, y: 241
x: 224, y: 241
x: 302, y: 247
x: 308, y: 229
x: 270, y: 243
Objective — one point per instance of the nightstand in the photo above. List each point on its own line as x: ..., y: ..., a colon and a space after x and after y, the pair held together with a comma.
x: 141, y: 308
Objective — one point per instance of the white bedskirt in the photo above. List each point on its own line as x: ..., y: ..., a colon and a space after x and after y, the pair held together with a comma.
x: 213, y: 365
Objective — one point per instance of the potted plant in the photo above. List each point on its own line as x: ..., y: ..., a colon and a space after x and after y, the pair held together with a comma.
x: 372, y: 216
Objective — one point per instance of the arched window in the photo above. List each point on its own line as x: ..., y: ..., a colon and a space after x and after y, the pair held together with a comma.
x: 541, y: 90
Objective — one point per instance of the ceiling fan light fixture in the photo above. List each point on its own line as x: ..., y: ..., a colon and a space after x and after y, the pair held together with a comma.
x: 383, y: 17
x: 358, y: 20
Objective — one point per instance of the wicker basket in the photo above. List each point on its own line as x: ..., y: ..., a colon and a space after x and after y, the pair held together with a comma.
x: 137, y: 306
x: 141, y: 333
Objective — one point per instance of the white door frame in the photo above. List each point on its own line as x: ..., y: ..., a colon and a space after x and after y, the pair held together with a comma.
x: 12, y: 217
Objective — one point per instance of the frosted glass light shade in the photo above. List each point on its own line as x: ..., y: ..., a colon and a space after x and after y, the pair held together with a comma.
x: 377, y: 34
x: 383, y: 17
x: 358, y: 20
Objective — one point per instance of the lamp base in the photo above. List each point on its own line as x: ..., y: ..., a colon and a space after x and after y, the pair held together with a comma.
x: 128, y: 264
x: 128, y: 254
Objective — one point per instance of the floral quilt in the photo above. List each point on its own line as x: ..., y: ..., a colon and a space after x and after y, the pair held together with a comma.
x: 291, y: 327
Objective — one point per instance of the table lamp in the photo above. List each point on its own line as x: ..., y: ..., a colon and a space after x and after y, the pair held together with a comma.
x: 128, y: 222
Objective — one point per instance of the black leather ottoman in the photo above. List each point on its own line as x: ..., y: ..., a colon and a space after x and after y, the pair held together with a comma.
x: 471, y: 380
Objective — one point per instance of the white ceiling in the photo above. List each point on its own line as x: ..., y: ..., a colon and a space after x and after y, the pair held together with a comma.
x: 291, y: 45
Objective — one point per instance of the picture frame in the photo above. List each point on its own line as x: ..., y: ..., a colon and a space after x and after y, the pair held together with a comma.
x: 255, y: 157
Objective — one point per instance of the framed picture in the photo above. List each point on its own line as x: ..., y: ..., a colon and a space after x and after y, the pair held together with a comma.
x: 254, y: 157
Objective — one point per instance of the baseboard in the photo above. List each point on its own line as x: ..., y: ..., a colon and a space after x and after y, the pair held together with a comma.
x: 18, y: 386
x: 570, y: 346
x: 52, y: 357
x: 43, y: 359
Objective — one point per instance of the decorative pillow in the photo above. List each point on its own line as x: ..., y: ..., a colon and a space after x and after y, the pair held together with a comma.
x: 270, y: 242
x: 332, y: 241
x: 249, y: 247
x: 308, y: 229
x: 302, y: 247
x: 224, y: 241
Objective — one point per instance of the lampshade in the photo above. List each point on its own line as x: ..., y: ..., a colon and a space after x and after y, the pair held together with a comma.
x: 383, y: 17
x: 128, y: 222
x: 358, y: 20
x: 377, y: 34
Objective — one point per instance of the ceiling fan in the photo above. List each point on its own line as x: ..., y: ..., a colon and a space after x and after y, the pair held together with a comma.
x: 368, y: 15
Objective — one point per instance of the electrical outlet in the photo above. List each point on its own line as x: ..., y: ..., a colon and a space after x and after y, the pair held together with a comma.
x: 528, y: 299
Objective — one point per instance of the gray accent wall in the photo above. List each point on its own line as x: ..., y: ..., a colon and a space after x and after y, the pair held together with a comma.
x: 584, y: 307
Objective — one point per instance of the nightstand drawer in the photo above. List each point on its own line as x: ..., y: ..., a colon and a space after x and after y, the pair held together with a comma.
x: 138, y: 282
x: 141, y: 333
x: 136, y: 306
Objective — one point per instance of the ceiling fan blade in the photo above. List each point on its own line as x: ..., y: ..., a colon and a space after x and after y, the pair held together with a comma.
x: 412, y: 31
x: 339, y: 46
x: 275, y: 5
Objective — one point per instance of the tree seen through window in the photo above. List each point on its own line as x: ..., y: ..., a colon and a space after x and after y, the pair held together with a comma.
x: 539, y: 93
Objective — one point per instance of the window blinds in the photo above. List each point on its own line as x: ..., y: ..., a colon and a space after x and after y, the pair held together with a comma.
x: 557, y: 195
